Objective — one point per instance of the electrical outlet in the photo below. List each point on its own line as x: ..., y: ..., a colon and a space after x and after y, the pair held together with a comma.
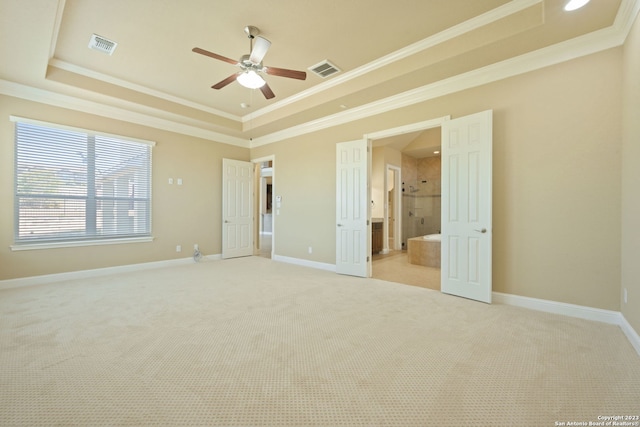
x: 310, y: 250
x: 178, y: 248
x: 195, y: 247
x: 625, y: 295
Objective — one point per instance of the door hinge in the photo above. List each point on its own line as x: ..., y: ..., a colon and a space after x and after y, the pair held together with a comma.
x: 367, y: 259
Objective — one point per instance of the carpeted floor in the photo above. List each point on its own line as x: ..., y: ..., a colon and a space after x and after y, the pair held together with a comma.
x: 253, y: 342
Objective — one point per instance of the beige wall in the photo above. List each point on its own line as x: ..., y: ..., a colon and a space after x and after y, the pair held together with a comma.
x: 631, y: 178
x: 182, y: 215
x: 557, y: 139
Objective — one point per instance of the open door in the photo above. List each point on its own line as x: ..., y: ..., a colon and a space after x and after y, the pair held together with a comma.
x: 352, y: 210
x: 466, y: 206
x: 237, y: 208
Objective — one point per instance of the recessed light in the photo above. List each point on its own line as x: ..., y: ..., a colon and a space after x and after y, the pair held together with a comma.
x: 244, y: 105
x: 575, y: 4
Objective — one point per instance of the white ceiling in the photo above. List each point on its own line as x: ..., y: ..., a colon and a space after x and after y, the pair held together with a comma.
x: 383, y: 48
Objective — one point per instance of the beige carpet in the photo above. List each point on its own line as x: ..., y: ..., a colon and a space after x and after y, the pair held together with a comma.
x: 253, y: 342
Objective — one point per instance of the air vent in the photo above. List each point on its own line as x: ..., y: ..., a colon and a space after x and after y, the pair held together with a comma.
x: 102, y: 44
x: 324, y: 69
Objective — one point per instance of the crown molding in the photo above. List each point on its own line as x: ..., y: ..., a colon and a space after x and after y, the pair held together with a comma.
x: 43, y: 96
x: 63, y: 65
x: 56, y: 27
x: 626, y: 16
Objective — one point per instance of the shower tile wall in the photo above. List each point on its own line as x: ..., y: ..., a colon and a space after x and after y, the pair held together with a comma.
x: 420, y: 200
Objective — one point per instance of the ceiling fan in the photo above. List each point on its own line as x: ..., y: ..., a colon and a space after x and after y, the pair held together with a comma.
x: 251, y: 65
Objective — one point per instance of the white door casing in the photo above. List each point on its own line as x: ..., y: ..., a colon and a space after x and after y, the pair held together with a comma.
x: 392, y: 217
x: 237, y: 208
x: 352, y: 210
x: 466, y: 206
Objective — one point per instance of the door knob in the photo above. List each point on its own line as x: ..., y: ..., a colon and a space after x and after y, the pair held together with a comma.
x: 484, y: 230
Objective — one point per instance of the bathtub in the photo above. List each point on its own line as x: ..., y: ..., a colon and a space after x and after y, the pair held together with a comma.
x: 432, y: 237
x: 424, y: 250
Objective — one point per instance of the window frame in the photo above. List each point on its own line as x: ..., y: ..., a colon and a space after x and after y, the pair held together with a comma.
x: 85, y: 239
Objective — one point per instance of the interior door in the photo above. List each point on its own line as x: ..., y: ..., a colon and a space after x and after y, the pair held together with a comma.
x: 237, y: 218
x: 466, y: 206
x: 352, y: 214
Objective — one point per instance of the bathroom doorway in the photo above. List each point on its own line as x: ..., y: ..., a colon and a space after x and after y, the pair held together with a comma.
x: 410, y: 163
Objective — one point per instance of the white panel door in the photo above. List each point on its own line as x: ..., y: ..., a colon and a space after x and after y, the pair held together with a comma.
x: 237, y: 218
x: 466, y: 206
x: 352, y: 226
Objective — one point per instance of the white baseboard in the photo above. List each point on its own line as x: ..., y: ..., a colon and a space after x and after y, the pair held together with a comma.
x: 631, y: 334
x: 52, y: 278
x: 305, y: 263
x: 572, y: 310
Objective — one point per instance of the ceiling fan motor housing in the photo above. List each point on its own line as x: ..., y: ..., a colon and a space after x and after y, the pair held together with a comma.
x: 251, y: 31
x: 247, y: 64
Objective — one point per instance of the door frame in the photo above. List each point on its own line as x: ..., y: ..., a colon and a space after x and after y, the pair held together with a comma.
x: 257, y: 200
x: 397, y: 204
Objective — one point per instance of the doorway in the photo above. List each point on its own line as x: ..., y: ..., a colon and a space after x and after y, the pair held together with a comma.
x: 413, y: 196
x: 264, y: 219
x: 464, y: 240
x: 406, y: 157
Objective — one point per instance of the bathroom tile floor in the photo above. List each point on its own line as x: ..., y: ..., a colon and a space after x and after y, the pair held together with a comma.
x: 395, y: 267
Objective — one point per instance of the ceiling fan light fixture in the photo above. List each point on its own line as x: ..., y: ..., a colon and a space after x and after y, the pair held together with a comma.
x: 250, y: 79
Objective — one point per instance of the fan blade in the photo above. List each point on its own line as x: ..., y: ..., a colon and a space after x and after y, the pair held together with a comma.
x: 283, y: 72
x: 266, y: 91
x: 214, y: 55
x: 232, y: 78
x: 259, y: 50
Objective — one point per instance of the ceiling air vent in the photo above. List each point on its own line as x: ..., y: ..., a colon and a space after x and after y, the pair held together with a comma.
x: 324, y: 69
x: 102, y: 44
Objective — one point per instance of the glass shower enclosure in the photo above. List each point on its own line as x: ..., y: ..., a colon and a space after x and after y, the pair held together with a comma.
x: 420, y: 208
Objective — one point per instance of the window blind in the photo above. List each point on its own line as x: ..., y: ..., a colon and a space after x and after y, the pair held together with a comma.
x: 74, y: 185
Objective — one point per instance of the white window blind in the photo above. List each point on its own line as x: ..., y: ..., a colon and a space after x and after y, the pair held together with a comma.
x: 72, y: 185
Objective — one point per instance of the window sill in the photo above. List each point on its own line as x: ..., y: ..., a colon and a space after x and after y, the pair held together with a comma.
x: 79, y: 243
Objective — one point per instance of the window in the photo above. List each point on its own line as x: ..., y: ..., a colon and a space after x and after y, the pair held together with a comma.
x: 72, y: 185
